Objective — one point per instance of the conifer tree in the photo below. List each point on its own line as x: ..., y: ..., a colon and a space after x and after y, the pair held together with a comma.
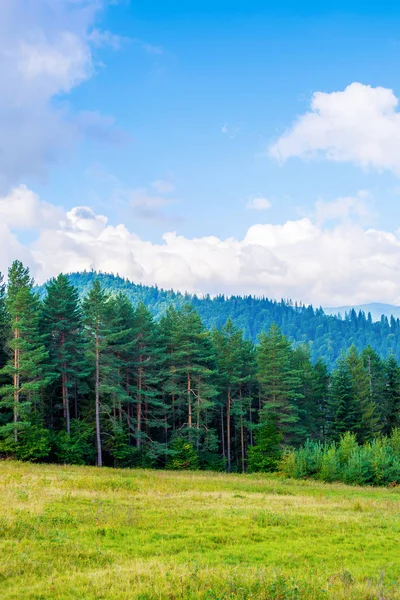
x: 320, y: 394
x: 25, y: 367
x: 366, y: 407
x: 391, y: 395
x: 344, y: 412
x: 192, y: 366
x: 4, y: 323
x: 279, y: 383
x: 147, y: 358
x: 97, y: 330
x: 228, y: 343
x: 62, y: 326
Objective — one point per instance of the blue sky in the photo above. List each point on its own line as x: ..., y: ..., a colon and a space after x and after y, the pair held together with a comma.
x: 176, y: 108
x: 221, y: 63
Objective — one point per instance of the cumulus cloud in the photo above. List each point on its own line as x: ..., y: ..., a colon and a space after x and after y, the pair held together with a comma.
x: 258, y: 203
x: 23, y: 209
x: 360, y: 125
x: 338, y: 264
x: 46, y: 50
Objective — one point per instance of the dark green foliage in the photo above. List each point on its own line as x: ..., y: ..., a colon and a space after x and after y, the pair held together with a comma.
x: 391, y: 395
x: 102, y: 380
x: 267, y: 451
x: 63, y: 337
x: 76, y: 447
x: 34, y: 442
x: 280, y: 384
x: 329, y: 335
x: 25, y: 373
x: 183, y: 455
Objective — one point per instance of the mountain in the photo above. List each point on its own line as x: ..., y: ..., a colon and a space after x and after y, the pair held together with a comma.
x: 327, y: 335
x: 376, y: 309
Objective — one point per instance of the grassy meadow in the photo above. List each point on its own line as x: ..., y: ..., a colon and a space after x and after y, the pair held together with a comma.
x: 85, y: 533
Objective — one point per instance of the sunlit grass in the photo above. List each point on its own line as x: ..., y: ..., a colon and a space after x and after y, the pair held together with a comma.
x: 81, y: 532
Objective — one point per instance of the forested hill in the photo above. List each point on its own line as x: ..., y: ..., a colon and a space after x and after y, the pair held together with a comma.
x: 327, y: 335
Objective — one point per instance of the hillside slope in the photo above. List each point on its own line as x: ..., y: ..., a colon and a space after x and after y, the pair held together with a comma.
x: 328, y: 335
x: 377, y: 309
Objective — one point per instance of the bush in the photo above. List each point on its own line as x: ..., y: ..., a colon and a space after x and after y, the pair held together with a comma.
x: 183, y: 455
x: 77, y: 448
x: 374, y: 463
x: 33, y: 443
x: 265, y: 455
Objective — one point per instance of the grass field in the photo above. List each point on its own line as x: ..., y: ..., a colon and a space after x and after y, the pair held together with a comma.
x: 85, y: 533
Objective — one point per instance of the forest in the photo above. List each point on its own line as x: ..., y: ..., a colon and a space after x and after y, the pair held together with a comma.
x: 328, y: 336
x: 94, y: 379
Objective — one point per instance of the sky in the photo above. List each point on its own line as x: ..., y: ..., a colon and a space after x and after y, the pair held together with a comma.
x: 207, y: 146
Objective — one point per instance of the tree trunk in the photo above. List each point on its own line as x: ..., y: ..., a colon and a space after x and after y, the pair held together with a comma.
x: 97, y: 400
x: 16, y: 379
x: 139, y: 404
x: 65, y: 399
x: 228, y: 429
x: 251, y: 428
x: 241, y: 430
x: 189, y: 395
x: 222, y: 432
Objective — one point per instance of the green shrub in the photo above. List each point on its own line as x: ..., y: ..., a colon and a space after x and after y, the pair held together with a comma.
x: 374, y: 463
x: 77, y: 448
x: 265, y: 455
x: 183, y: 455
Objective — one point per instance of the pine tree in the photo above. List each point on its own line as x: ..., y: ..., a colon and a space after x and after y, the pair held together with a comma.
x: 320, y: 394
x: 279, y: 384
x: 97, y: 329
x: 391, y: 395
x: 191, y: 368
x: 4, y: 323
x: 366, y: 407
x: 228, y: 343
x: 62, y: 326
x: 344, y: 411
x: 147, y: 360
x: 25, y: 367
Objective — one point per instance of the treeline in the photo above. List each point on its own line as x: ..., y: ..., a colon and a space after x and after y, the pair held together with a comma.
x: 328, y: 336
x: 99, y: 381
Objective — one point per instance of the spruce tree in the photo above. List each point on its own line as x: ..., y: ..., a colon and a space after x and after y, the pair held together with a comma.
x: 279, y: 384
x: 344, y: 410
x: 366, y: 407
x: 62, y: 326
x: 391, y: 395
x: 25, y: 367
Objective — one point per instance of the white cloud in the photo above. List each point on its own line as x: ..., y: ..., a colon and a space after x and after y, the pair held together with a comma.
x: 337, y: 265
x: 23, y: 209
x: 258, y: 203
x: 345, y: 207
x: 360, y: 125
x: 46, y: 49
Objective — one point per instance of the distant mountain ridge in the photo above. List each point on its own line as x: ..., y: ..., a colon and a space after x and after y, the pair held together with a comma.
x: 377, y: 309
x: 326, y: 335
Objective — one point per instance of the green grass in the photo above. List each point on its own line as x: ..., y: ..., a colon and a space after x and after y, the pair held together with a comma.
x: 85, y: 533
